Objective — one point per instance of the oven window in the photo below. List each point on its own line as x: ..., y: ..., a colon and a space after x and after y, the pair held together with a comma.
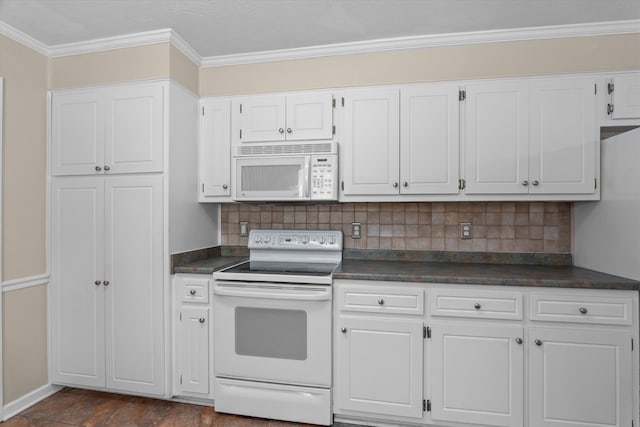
x: 266, y: 332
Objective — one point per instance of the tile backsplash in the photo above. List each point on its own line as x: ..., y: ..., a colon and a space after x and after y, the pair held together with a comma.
x: 496, y: 226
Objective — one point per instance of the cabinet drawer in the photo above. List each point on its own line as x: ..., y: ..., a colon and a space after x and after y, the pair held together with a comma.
x: 381, y: 299
x: 582, y: 309
x: 477, y: 304
x: 193, y: 289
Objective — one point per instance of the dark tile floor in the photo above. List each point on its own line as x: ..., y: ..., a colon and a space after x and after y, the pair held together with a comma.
x: 74, y: 407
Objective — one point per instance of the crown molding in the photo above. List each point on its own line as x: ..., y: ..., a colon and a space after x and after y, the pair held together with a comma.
x: 24, y: 39
x: 186, y: 49
x: 108, y: 43
x: 427, y: 41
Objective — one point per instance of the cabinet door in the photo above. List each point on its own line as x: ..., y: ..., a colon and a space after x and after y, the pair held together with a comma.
x: 262, y: 118
x: 309, y: 116
x: 562, y: 142
x: 496, y: 138
x: 580, y: 377
x: 77, y: 293
x: 379, y: 366
x: 477, y: 374
x: 77, y: 133
x: 626, y: 96
x: 429, y: 140
x: 215, y: 149
x: 134, y: 296
x: 371, y: 143
x: 193, y: 350
x: 134, y: 135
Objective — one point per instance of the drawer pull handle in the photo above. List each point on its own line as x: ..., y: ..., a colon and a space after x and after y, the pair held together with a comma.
x: 192, y: 292
x: 97, y: 282
x: 518, y: 340
x: 343, y: 330
x: 538, y: 342
x: 477, y: 306
x: 583, y: 310
x: 106, y: 283
x: 380, y: 301
x: 201, y: 320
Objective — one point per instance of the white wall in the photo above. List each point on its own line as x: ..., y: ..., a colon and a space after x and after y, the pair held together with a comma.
x: 607, y: 233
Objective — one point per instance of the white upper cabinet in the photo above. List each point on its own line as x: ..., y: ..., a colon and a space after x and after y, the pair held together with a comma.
x: 283, y: 117
x: 562, y: 136
x: 429, y: 139
x: 215, y: 150
x: 116, y: 129
x: 496, y: 137
x: 531, y: 136
x: 625, y: 96
x: 371, y: 142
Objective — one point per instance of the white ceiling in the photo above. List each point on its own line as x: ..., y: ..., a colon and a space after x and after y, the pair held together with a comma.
x: 227, y: 27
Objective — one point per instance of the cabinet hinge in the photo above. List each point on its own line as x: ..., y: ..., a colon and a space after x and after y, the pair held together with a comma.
x: 203, y: 111
x: 342, y: 101
x: 426, y: 332
x: 240, y: 133
x: 342, y: 185
x: 631, y: 344
x: 462, y: 184
x: 462, y: 95
x: 180, y: 316
x: 333, y: 102
x: 180, y: 378
x: 609, y: 109
x: 595, y: 183
x: 240, y: 108
x: 610, y: 88
x: 203, y: 187
x: 333, y: 129
x: 426, y: 406
x: 595, y: 88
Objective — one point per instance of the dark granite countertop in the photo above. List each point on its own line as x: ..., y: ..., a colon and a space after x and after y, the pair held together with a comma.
x: 482, y: 274
x: 208, y: 265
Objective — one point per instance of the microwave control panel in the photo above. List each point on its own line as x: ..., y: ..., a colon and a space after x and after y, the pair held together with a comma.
x: 324, y: 177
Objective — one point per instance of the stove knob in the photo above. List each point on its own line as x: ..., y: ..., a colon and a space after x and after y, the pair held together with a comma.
x: 258, y: 239
x: 332, y: 240
x: 322, y: 241
x: 267, y: 239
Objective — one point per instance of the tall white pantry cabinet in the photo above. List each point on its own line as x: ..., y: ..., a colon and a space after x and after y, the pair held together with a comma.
x: 112, y: 196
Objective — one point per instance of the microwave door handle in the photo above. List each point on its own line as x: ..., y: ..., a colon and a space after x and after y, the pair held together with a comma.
x: 268, y: 294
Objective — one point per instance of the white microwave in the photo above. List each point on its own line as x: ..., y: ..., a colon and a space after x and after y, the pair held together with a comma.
x: 286, y: 172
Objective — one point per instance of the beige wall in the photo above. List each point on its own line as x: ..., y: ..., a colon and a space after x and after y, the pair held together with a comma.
x: 24, y: 216
x: 25, y: 341
x: 569, y: 55
x: 110, y: 66
x: 183, y: 70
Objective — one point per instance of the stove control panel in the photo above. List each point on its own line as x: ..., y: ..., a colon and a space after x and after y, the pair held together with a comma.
x: 330, y: 240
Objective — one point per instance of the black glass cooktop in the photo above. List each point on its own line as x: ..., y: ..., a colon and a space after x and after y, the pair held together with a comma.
x: 292, y: 268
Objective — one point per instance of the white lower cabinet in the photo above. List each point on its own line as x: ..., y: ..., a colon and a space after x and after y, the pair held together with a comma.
x: 193, y: 344
x: 477, y: 374
x: 107, y: 283
x: 580, y: 377
x: 500, y: 356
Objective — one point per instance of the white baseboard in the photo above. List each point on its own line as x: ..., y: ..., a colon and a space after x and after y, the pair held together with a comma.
x: 20, y: 404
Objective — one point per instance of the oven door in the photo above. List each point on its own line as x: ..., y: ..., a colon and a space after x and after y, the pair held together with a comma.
x: 272, y: 178
x: 273, y: 332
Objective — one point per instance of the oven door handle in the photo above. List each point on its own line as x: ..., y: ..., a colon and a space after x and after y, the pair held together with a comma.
x: 271, y: 293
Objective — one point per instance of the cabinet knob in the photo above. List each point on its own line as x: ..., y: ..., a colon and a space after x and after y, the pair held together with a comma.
x: 281, y: 130
x: 201, y: 320
x: 289, y: 130
x: 98, y: 168
x: 477, y: 306
x: 343, y: 330
x: 225, y: 186
x: 192, y: 292
x: 525, y: 182
x: 518, y: 340
x: 97, y: 282
x: 405, y: 184
x: 380, y: 301
x: 107, y: 168
x: 583, y: 310
x: 538, y: 342
x: 395, y: 185
x: 106, y: 283
x: 536, y: 183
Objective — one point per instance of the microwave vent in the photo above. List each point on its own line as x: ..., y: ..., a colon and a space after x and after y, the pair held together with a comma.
x: 280, y: 149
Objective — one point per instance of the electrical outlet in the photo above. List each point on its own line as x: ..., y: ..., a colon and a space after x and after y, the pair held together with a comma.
x: 465, y: 230
x: 244, y: 229
x: 356, y: 230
